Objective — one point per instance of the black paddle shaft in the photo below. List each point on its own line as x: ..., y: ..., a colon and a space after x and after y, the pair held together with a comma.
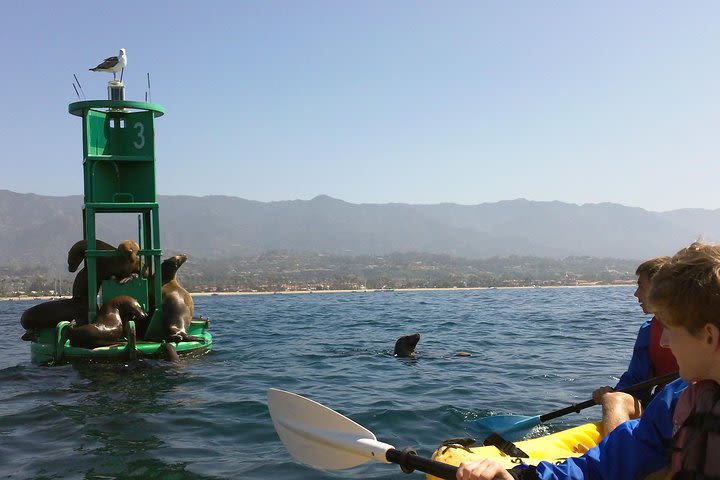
x: 576, y: 407
x: 409, y: 461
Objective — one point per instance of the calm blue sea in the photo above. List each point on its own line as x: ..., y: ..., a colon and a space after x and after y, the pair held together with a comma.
x: 533, y: 351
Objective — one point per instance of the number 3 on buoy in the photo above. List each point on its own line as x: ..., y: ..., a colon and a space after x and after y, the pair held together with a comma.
x: 141, y: 135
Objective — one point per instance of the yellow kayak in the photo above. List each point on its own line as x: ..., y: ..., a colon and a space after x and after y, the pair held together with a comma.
x: 555, y: 447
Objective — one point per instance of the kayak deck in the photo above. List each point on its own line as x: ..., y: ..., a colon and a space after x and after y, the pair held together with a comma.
x: 555, y: 447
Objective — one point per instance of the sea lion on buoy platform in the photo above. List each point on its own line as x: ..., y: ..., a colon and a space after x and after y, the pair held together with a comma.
x: 108, y: 325
x: 123, y: 266
x: 177, y: 304
x: 76, y: 254
x: 49, y: 314
x: 405, y: 345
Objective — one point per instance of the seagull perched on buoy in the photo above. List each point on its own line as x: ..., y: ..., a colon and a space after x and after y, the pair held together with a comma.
x: 112, y: 64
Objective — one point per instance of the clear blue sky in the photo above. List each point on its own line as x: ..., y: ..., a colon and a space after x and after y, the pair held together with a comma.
x: 381, y: 101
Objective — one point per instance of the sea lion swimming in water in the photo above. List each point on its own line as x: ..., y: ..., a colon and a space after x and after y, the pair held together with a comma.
x: 108, y: 325
x: 405, y: 345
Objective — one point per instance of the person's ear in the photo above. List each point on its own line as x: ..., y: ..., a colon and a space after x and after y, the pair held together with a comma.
x: 712, y: 335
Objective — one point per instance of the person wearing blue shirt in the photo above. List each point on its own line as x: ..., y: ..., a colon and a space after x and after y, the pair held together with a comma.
x: 648, y: 360
x: 635, y: 449
x: 639, y: 368
x: 685, y: 297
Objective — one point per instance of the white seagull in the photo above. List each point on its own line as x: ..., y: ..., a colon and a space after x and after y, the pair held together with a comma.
x: 112, y: 64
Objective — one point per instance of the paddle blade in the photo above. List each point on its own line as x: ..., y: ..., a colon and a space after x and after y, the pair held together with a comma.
x: 507, y: 424
x: 321, y: 437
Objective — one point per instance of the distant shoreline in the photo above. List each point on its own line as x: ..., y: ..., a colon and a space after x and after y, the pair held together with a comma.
x: 369, y: 290
x: 390, y: 290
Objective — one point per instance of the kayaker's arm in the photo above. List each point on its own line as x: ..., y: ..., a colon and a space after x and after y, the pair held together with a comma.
x: 618, y: 407
x: 633, y: 450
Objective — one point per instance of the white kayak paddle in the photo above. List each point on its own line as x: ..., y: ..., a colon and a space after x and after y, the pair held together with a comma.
x: 320, y: 437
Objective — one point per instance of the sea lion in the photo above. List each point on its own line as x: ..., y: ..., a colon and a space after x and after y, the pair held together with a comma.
x: 122, y: 266
x: 108, y: 325
x: 169, y: 352
x: 177, y: 304
x: 76, y: 254
x: 48, y: 314
x: 405, y: 345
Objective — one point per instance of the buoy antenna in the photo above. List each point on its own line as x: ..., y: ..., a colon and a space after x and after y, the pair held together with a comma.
x: 76, y: 91
x: 148, y: 96
x: 79, y: 86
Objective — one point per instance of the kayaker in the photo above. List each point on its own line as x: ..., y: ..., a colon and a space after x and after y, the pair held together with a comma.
x: 648, y: 360
x: 685, y: 297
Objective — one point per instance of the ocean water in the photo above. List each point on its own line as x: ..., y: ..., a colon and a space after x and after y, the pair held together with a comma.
x: 533, y: 351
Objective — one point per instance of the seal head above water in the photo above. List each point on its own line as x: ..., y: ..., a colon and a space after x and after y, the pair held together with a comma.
x: 405, y: 345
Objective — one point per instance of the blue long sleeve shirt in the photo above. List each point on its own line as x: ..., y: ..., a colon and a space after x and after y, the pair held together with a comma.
x: 640, y: 367
x: 633, y: 450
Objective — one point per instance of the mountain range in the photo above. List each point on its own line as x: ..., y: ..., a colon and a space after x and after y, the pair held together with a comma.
x: 37, y: 229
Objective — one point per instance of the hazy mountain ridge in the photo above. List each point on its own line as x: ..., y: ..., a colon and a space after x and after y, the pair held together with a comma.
x: 40, y: 229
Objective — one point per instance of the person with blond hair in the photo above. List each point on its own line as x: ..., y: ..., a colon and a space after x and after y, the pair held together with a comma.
x: 648, y: 360
x: 679, y: 431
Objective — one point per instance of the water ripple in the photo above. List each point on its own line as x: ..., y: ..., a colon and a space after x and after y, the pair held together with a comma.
x: 533, y: 351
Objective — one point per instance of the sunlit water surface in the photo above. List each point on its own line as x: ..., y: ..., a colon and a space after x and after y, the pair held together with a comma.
x: 533, y: 351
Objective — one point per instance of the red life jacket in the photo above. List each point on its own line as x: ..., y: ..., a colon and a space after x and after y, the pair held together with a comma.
x: 661, y: 358
x: 696, y: 433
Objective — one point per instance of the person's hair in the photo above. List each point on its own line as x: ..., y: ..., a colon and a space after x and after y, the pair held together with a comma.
x: 651, y: 267
x: 686, y: 290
